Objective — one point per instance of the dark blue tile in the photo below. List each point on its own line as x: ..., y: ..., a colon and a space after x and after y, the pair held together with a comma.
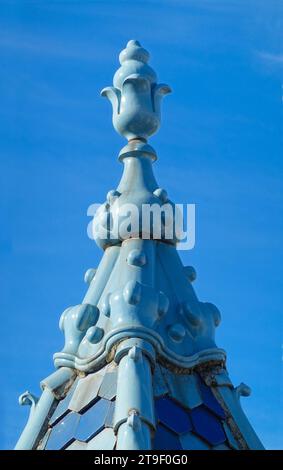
x: 63, y: 433
x: 172, y: 415
x: 210, y: 401
x: 165, y: 440
x: 207, y: 425
x: 93, y: 420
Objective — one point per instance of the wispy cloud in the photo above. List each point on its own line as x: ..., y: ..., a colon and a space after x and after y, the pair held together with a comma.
x: 46, y: 46
x: 271, y: 58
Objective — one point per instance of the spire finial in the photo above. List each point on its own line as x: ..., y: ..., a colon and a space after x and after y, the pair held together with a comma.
x: 135, y: 96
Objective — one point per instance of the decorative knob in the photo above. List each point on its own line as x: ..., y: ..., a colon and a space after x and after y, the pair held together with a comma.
x: 135, y: 96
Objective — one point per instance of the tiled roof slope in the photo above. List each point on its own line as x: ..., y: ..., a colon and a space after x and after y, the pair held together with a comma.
x: 189, y: 414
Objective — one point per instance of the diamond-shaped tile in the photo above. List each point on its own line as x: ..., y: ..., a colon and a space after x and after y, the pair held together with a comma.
x: 210, y: 401
x: 63, y: 433
x: 93, y: 420
x: 86, y: 391
x: 165, y: 440
x: 184, y: 388
x: 172, y: 415
x: 77, y: 445
x: 105, y: 440
x: 190, y: 441
x: 159, y: 385
x: 109, y: 418
x: 207, y: 425
x: 109, y: 385
x: 63, y: 406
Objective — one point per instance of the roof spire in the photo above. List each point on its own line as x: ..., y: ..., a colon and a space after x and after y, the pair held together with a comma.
x: 140, y: 368
x: 135, y: 96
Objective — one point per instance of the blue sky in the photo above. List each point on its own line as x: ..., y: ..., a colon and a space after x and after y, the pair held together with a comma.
x: 220, y: 147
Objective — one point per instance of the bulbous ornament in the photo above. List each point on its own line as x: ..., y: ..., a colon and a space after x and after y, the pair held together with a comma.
x: 135, y: 96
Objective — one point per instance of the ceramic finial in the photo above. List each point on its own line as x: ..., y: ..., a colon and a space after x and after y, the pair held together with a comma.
x: 135, y: 96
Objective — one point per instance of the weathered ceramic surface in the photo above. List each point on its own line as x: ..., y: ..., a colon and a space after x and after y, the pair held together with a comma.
x: 140, y: 289
x: 140, y: 368
x: 186, y: 413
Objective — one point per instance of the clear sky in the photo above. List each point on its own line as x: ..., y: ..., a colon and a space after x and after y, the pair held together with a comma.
x: 219, y: 147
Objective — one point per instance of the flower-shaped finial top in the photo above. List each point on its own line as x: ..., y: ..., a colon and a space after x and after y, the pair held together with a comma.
x: 134, y: 51
x: 135, y: 96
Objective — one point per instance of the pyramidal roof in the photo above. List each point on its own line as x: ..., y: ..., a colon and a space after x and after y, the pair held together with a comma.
x: 140, y: 368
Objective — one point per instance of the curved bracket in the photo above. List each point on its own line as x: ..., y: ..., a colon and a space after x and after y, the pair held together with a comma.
x: 243, y: 390
x: 28, y: 399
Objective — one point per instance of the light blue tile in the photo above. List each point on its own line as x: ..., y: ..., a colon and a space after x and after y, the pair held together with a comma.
x: 110, y: 415
x: 86, y: 391
x: 159, y: 385
x: 93, y: 420
x: 105, y: 440
x: 63, y: 405
x: 108, y: 387
x: 185, y: 389
x: 77, y: 445
x: 63, y: 433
